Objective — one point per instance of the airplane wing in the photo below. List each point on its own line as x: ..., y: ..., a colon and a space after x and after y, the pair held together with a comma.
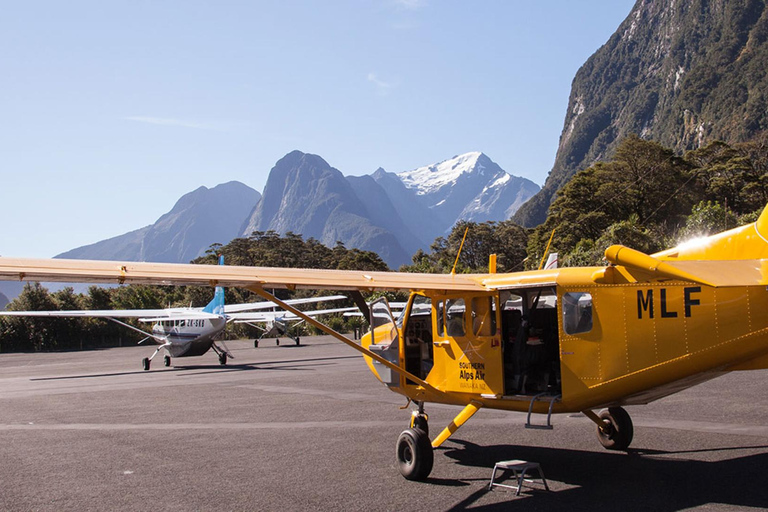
x: 234, y: 308
x: 87, y: 271
x: 145, y: 315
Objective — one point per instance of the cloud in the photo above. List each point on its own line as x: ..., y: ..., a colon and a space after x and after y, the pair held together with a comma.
x: 170, y: 122
x: 382, y: 86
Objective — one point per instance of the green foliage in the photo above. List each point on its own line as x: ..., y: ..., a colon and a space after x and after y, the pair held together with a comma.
x: 648, y: 198
x: 707, y: 218
x: 505, y: 239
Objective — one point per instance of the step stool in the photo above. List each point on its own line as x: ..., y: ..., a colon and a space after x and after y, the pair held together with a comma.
x: 520, y: 468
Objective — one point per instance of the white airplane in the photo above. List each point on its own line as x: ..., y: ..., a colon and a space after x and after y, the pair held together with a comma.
x: 276, y: 322
x: 185, y: 332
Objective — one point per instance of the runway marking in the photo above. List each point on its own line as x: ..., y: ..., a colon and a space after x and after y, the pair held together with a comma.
x: 512, y: 419
x: 200, y: 426
x: 704, y: 426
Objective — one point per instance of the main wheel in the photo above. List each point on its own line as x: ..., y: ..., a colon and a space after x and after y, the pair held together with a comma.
x: 617, y: 430
x: 277, y: 341
x: 167, y: 360
x: 145, y: 363
x: 298, y: 341
x: 223, y: 358
x: 414, y: 454
x: 255, y: 343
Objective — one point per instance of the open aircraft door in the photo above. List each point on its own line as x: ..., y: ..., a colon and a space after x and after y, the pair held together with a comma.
x: 466, y: 344
x: 385, y: 341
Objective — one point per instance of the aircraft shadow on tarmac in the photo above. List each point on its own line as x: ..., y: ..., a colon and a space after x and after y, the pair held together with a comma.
x: 293, y: 365
x: 637, y: 480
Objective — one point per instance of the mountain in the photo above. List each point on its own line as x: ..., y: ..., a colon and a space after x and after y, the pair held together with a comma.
x: 305, y: 195
x: 468, y: 187
x: 197, y: 220
x: 680, y: 73
x: 391, y: 214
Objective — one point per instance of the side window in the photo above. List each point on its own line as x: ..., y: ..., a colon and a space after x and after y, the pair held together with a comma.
x: 440, y: 319
x: 454, y: 317
x: 577, y: 312
x: 483, y: 316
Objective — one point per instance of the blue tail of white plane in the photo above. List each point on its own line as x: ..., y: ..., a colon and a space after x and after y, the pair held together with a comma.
x: 216, y: 306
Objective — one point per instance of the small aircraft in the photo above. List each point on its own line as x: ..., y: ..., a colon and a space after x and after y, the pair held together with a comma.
x: 549, y: 341
x: 184, y: 332
x: 277, y: 323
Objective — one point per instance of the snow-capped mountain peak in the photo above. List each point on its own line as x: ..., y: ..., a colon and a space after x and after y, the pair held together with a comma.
x: 469, y: 187
x: 431, y: 178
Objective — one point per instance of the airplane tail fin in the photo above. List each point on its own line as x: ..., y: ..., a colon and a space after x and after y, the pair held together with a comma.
x: 216, y: 306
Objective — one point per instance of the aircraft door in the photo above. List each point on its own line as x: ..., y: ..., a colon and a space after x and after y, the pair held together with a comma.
x: 467, y: 345
x: 385, y: 340
x: 417, y: 336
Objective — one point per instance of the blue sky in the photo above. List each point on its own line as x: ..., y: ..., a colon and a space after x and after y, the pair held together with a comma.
x: 113, y: 110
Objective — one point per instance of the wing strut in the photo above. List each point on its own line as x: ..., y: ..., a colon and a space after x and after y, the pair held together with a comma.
x: 266, y: 295
x: 466, y: 413
x: 129, y: 326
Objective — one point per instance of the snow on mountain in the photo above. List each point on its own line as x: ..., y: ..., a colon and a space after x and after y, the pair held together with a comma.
x: 468, y: 187
x: 431, y: 178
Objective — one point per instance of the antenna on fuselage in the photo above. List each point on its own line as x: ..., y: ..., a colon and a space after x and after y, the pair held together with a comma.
x: 453, y: 270
x: 546, y: 251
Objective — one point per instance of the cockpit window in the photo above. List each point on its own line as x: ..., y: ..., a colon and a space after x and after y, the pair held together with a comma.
x: 577, y: 312
x: 483, y: 316
x: 454, y: 317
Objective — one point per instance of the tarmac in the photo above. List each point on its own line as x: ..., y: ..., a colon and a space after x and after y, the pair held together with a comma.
x: 309, y: 428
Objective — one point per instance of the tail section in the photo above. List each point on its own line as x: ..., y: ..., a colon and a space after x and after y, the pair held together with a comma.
x: 749, y: 242
x: 216, y: 306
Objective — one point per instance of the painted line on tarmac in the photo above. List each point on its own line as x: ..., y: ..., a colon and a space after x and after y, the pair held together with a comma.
x: 198, y: 426
x: 704, y: 427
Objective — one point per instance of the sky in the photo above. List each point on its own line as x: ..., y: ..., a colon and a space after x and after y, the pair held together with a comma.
x: 111, y: 111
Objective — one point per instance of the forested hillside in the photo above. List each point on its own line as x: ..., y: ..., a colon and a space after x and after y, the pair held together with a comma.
x: 680, y: 73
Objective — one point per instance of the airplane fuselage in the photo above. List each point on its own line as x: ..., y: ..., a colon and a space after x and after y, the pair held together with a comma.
x: 582, y: 341
x: 186, y: 338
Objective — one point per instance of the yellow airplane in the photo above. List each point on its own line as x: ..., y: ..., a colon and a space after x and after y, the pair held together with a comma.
x: 550, y: 341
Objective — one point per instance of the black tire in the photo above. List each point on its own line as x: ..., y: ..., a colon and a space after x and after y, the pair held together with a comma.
x: 167, y: 360
x: 277, y: 341
x: 414, y: 454
x: 421, y: 422
x: 145, y: 364
x: 617, y: 432
x: 298, y: 341
x: 255, y: 343
x: 223, y: 359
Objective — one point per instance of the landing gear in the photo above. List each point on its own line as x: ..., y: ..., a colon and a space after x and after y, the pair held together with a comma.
x: 277, y: 341
x: 255, y: 343
x: 167, y: 360
x: 145, y: 364
x: 298, y: 341
x: 419, y: 419
x: 222, y: 358
x: 420, y: 422
x: 414, y: 454
x: 616, y: 431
